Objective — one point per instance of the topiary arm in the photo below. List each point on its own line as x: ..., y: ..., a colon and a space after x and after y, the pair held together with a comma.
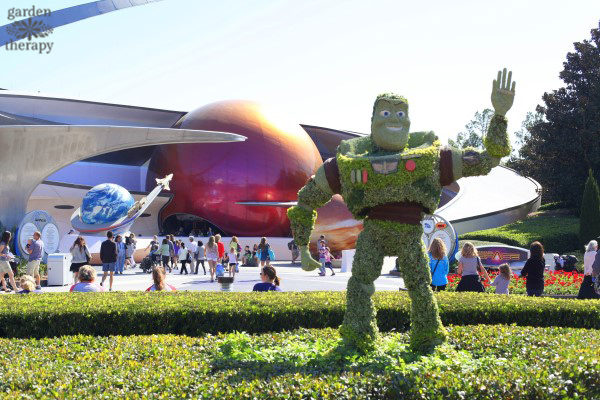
x: 316, y: 193
x: 474, y: 162
x: 503, y: 95
x: 496, y: 140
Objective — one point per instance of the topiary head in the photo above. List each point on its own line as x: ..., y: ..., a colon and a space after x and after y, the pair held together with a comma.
x: 390, y: 123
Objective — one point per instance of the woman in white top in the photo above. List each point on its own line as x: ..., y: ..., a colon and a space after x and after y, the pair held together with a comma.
x: 81, y: 255
x: 586, y: 290
x: 130, y: 250
x: 212, y: 255
x: 5, y: 258
x: 183, y: 258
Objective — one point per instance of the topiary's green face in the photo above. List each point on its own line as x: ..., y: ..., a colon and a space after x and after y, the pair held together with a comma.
x: 390, y: 124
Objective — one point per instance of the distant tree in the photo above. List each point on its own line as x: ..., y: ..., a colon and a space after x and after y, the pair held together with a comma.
x: 589, y: 218
x: 520, y: 137
x: 474, y: 131
x: 561, y: 148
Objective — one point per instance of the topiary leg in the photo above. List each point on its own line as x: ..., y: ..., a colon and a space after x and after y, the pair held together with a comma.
x: 360, y: 326
x: 426, y: 327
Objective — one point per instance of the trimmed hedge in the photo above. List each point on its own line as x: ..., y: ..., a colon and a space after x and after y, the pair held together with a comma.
x: 558, y: 233
x: 481, y: 362
x: 197, y: 313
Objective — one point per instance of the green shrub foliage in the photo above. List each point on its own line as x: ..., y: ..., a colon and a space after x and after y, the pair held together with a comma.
x: 589, y: 218
x: 558, y: 233
x: 197, y: 313
x: 496, y: 141
x: 302, y: 222
x: 480, y: 362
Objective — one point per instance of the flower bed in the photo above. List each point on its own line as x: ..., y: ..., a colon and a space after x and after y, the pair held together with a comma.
x: 555, y: 282
x: 480, y: 362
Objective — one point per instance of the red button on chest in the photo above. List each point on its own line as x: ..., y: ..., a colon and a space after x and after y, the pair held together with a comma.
x: 410, y: 165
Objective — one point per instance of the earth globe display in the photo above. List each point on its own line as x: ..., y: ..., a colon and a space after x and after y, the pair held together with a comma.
x: 105, y: 203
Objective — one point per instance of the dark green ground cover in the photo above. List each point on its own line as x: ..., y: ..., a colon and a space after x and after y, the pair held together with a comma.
x: 558, y: 233
x: 486, y: 362
x: 197, y: 313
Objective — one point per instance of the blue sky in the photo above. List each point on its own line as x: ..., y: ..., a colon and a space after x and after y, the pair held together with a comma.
x: 317, y: 62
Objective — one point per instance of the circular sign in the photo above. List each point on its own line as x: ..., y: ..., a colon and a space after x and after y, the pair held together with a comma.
x: 50, y: 238
x: 445, y: 237
x: 44, y: 223
x: 428, y: 226
x: 435, y: 226
x: 26, y: 233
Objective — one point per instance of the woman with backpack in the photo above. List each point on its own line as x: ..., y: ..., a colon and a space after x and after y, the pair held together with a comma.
x: 235, y: 246
x: 264, y: 252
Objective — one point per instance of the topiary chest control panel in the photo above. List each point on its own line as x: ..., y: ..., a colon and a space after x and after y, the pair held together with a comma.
x: 410, y: 176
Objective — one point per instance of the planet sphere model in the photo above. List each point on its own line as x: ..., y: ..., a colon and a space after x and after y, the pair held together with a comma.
x: 105, y: 203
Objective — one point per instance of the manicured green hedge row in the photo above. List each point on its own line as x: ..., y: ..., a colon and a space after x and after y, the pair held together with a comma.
x: 557, y: 205
x: 558, y: 233
x: 196, y: 313
x: 480, y: 362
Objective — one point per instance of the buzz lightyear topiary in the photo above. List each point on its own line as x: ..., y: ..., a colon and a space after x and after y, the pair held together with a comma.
x: 389, y: 180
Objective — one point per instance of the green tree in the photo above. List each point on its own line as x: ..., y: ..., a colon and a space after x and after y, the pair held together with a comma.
x: 589, y: 218
x: 563, y: 145
x: 472, y: 136
x: 520, y: 137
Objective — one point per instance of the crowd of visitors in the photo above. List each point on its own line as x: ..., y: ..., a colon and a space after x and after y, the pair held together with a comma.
x: 117, y: 253
x: 473, y: 274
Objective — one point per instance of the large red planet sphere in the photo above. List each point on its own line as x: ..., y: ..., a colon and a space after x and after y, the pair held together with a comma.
x: 337, y: 224
x: 209, y: 179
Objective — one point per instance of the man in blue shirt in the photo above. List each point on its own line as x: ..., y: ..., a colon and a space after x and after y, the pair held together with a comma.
x: 35, y: 249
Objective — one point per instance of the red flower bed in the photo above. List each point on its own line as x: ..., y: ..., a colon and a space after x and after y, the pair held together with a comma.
x: 555, y: 282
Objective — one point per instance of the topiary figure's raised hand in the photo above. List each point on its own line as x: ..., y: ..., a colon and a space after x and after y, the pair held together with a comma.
x: 496, y: 140
x: 308, y: 263
x: 503, y: 92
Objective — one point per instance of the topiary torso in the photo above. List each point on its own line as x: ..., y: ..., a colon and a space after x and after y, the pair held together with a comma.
x: 421, y: 185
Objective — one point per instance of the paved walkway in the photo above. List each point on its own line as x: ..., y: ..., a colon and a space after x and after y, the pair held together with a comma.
x: 293, y: 279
